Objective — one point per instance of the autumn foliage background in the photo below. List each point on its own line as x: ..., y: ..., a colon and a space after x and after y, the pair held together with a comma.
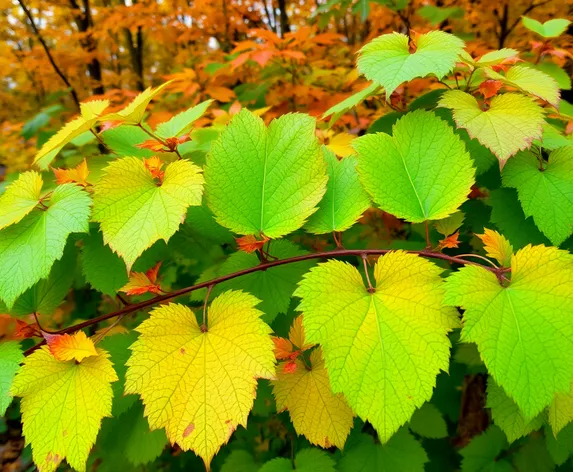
x: 272, y: 57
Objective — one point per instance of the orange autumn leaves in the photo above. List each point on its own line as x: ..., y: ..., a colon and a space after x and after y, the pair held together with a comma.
x: 290, y: 349
x: 66, y: 347
x: 143, y: 282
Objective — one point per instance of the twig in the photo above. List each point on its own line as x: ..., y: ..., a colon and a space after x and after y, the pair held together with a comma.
x: 261, y: 267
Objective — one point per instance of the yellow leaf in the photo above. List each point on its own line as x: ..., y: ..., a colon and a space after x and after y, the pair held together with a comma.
x: 92, y: 110
x: 296, y: 334
x: 20, y: 198
x: 341, y: 144
x: 199, y: 382
x: 322, y: 416
x: 53, y: 146
x: 67, y: 347
x: 135, y: 111
x: 62, y: 406
x: 90, y: 115
x: 497, y: 246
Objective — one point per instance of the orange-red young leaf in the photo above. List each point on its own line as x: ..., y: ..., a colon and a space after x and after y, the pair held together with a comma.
x: 289, y: 367
x: 296, y: 334
x: 152, y: 145
x: 450, y: 242
x: 140, y: 283
x: 283, y: 348
x: 250, y: 243
x: 506, y: 64
x: 65, y: 347
x: 154, y: 165
x: 497, y: 246
x: 25, y: 330
x: 77, y: 175
x: 489, y: 88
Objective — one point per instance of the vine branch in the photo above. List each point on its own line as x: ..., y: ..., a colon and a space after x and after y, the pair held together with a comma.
x: 499, y: 271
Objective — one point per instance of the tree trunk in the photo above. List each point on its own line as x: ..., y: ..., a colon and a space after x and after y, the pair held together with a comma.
x: 84, y: 22
x: 136, y: 55
x: 285, y: 26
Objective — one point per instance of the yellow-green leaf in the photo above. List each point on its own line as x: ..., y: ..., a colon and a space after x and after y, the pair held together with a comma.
x: 316, y: 412
x: 90, y: 115
x: 135, y: 111
x: 197, y: 382
x: 62, y: 406
x: 523, y: 330
x: 510, y: 124
x: 10, y: 358
x: 385, y: 346
x: 560, y: 412
x: 529, y: 80
x: 20, y: 198
x: 135, y: 210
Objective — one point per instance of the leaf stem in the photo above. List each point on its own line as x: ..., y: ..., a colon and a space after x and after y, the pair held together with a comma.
x: 371, y: 289
x: 428, y: 240
x: 204, y: 323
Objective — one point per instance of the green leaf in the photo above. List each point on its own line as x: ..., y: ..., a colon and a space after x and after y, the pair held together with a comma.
x: 135, y: 211
x: 481, y: 453
x: 344, y: 201
x: 181, y: 124
x: 239, y: 461
x: 200, y: 221
x: 549, y: 29
x: 401, y: 454
x: 552, y: 139
x: 553, y: 70
x: 387, y: 59
x: 546, y: 195
x: 449, y: 225
x: 510, y: 124
x: 482, y: 157
x: 20, y: 198
x: 428, y: 422
x: 394, y: 342
x: 507, y: 416
x: 123, y: 141
x: 508, y: 216
x: 117, y: 346
x: 274, y: 286
x: 560, y: 447
x: 10, y: 357
x: 306, y: 460
x: 534, y: 457
x: 426, y: 173
x: 103, y: 269
x: 261, y: 180
x: 436, y: 15
x: 560, y: 412
x: 48, y: 293
x: 134, y: 439
x: 29, y: 248
x: 350, y: 102
x: 531, y: 81
x: 518, y: 328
